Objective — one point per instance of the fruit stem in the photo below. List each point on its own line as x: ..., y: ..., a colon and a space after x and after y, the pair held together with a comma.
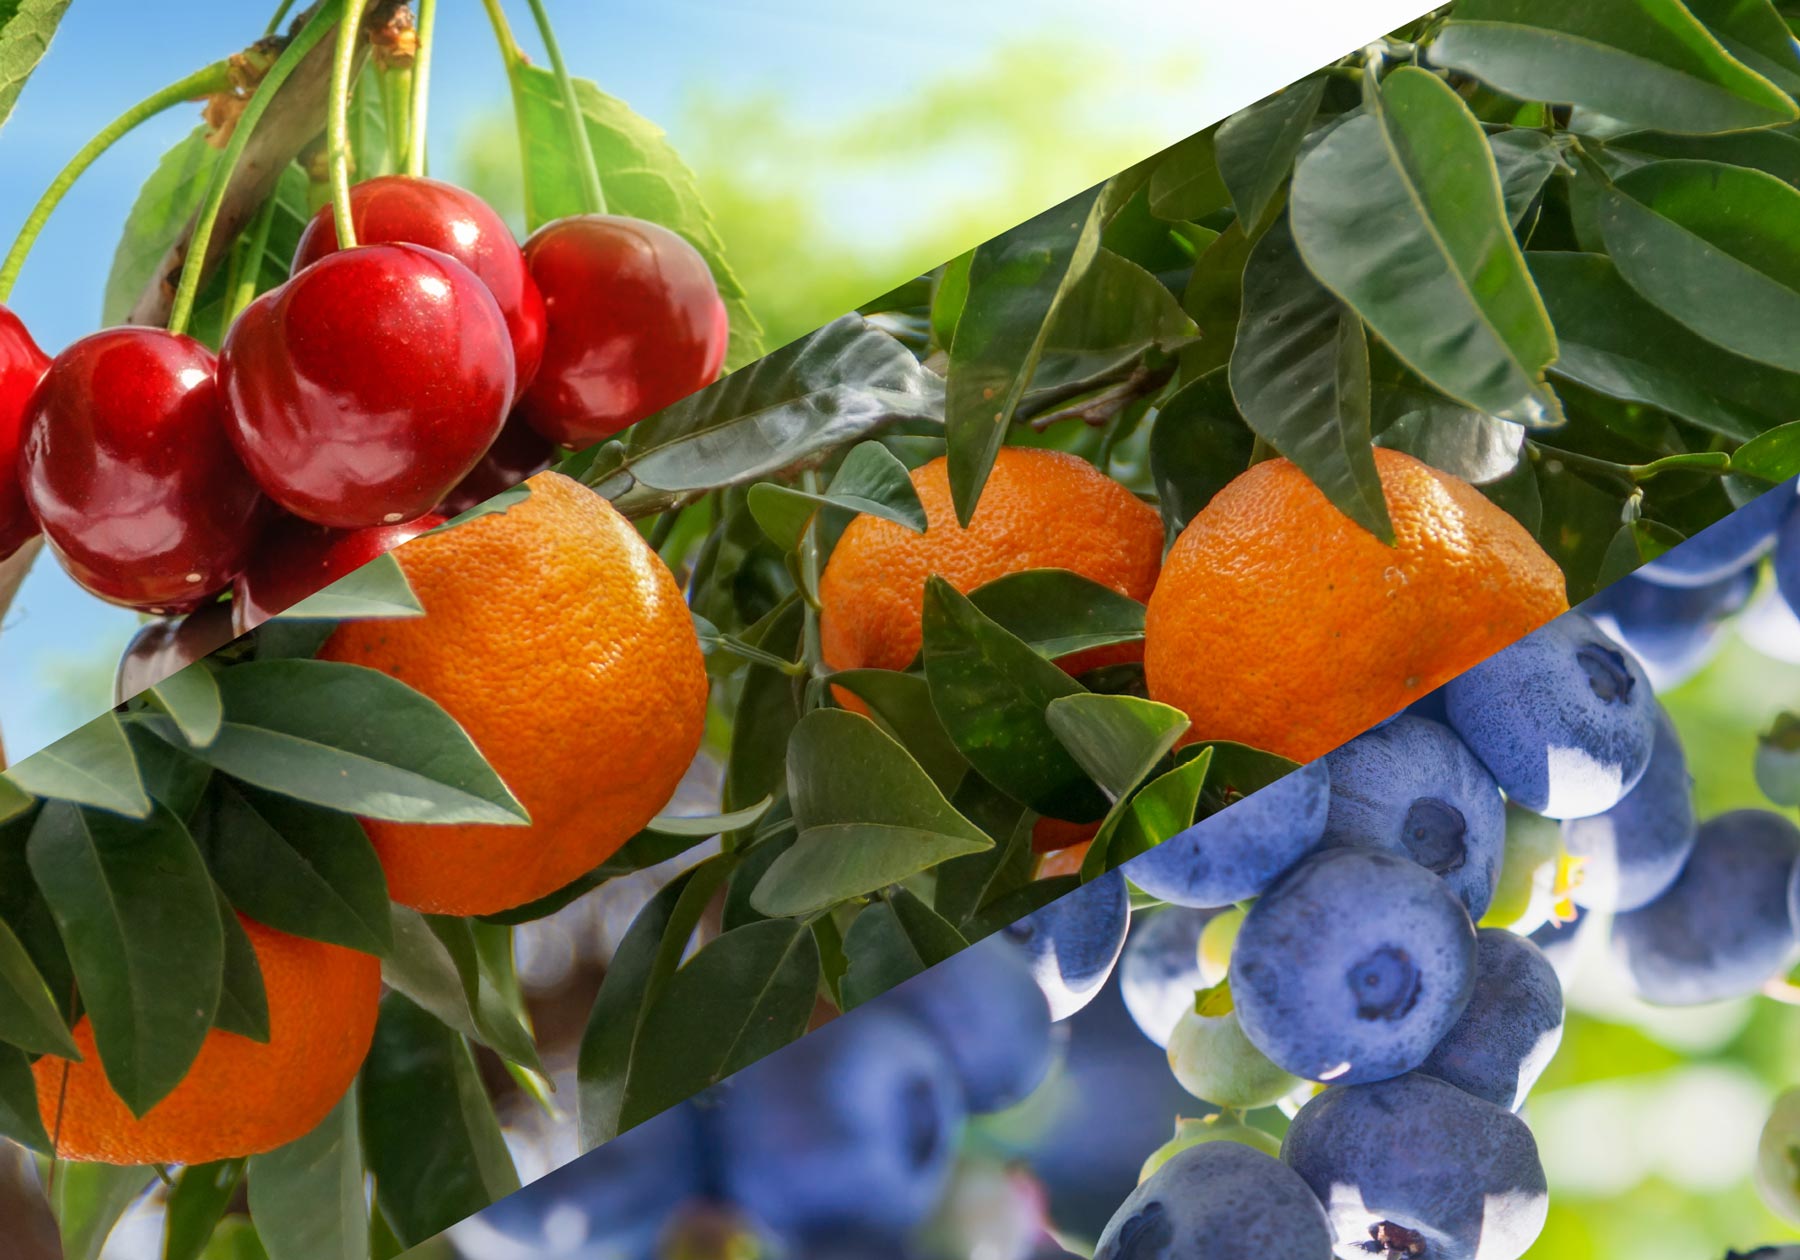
x: 509, y: 46
x: 421, y: 88
x: 337, y: 128
x: 256, y: 244
x: 203, y: 82
x: 396, y: 111
x: 578, y: 136
x: 281, y: 11
x: 291, y: 56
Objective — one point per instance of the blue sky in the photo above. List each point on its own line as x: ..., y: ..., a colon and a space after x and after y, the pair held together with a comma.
x: 821, y: 59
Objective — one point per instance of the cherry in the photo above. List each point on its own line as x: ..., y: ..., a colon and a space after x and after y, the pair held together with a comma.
x: 402, y: 210
x: 129, y: 471
x: 22, y: 366
x: 635, y: 324
x: 297, y: 559
x: 516, y: 454
x: 362, y: 390
x: 164, y: 647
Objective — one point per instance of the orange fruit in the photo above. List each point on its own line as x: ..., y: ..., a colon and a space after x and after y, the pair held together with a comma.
x: 240, y: 1097
x: 1280, y: 623
x: 1051, y: 834
x: 559, y: 640
x: 1061, y: 861
x: 1039, y: 510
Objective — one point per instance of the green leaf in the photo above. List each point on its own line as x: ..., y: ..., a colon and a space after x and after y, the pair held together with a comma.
x: 88, y: 1201
x: 745, y: 993
x: 297, y: 868
x: 1058, y: 612
x: 990, y: 691
x: 1199, y: 443
x: 901, y: 703
x: 892, y: 941
x: 1649, y: 63
x: 92, y: 766
x: 15, y: 801
x: 1164, y: 806
x: 1300, y: 375
x: 768, y: 705
x: 868, y: 816
x: 378, y: 589
x: 1715, y: 246
x: 1257, y: 147
x: 1186, y: 184
x: 1619, y: 345
x: 307, y: 1197
x: 1754, y: 33
x: 789, y: 409
x: 1017, y: 282
x: 25, y: 30
x: 1114, y: 313
x: 1117, y: 739
x: 949, y: 296
x: 1449, y: 436
x: 1773, y: 456
x: 19, y: 1117
x: 1443, y: 281
x: 643, y: 175
x: 197, y: 1201
x: 139, y: 915
x: 871, y: 479
x: 1525, y: 161
x: 1635, y: 544
x: 29, y: 1018
x: 243, y: 1001
x: 429, y: 1132
x: 191, y: 697
x: 434, y: 962
x: 1214, y: 297
x: 354, y: 740
x: 1238, y: 770
x: 156, y: 220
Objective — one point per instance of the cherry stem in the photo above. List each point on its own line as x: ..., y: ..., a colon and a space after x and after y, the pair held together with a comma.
x: 421, y: 87
x: 204, y: 82
x: 195, y: 263
x: 343, y: 62
x: 281, y: 12
x: 256, y: 244
x: 578, y: 135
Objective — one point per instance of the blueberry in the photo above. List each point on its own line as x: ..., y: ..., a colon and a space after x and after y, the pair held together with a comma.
x: 1724, y: 926
x: 1218, y: 1199
x: 1353, y: 967
x: 1073, y: 942
x: 1726, y: 545
x: 986, y: 1010
x: 1420, y: 1168
x: 1672, y: 630
x: 614, y: 1201
x: 1634, y: 850
x: 1414, y: 789
x: 1559, y: 941
x: 1220, y: 1127
x: 1160, y: 972
x: 1236, y: 853
x: 851, y: 1131
x: 1510, y: 1030
x: 1564, y: 718
x: 1787, y: 558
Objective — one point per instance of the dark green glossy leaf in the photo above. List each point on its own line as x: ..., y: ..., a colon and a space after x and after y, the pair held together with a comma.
x: 26, y: 27
x: 1214, y: 298
x: 1300, y: 375
x: 170, y: 774
x: 307, y: 1197
x: 1117, y: 739
x: 196, y: 1203
x: 297, y: 868
x: 19, y: 1118
x: 643, y: 176
x: 92, y: 766
x: 1579, y: 522
x: 1164, y: 806
x: 1635, y: 544
x: 15, y: 801
x: 355, y: 740
x: 1114, y: 314
x: 1776, y: 152
x: 892, y: 941
x: 434, y: 962
x: 789, y: 409
x: 243, y: 1001
x: 1450, y: 436
x: 1014, y: 905
x: 1525, y: 161
x: 29, y: 1018
x: 1199, y: 444
x: 378, y: 589
x: 1186, y: 184
x: 835, y: 862
x: 871, y: 479
x: 1058, y: 612
x: 768, y: 706
x: 742, y: 995
x: 140, y: 917
x: 949, y: 296
x: 1648, y: 62
x: 1237, y: 770
x: 1617, y: 344
x: 191, y: 697
x: 1715, y: 246
x: 902, y: 704
x: 1442, y: 281
x: 1257, y: 147
x: 1754, y: 33
x: 1774, y: 456
x: 1017, y: 283
x: 990, y: 690
x: 88, y: 1201
x: 429, y: 1132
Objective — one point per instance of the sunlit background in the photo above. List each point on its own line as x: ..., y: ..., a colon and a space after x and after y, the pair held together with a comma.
x: 842, y: 148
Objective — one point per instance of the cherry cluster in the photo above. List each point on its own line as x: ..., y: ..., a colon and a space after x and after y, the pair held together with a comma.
x: 379, y: 389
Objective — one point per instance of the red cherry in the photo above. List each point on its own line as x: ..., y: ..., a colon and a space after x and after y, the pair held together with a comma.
x: 297, y: 559
x: 162, y: 648
x: 516, y: 454
x: 22, y: 366
x: 635, y: 324
x: 128, y: 468
x: 362, y: 390
x: 397, y: 209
